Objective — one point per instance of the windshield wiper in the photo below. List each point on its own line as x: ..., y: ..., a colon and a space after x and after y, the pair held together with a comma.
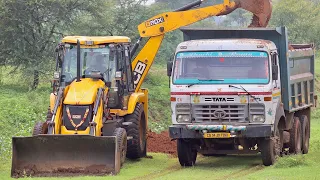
x: 242, y: 88
x: 192, y: 84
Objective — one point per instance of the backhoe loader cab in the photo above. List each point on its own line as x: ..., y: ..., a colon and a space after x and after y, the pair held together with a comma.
x: 93, y: 108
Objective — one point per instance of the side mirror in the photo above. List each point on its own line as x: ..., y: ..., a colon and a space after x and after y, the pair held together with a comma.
x: 169, y: 68
x: 275, y: 72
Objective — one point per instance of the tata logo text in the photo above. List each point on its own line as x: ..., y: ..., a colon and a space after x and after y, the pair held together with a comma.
x: 219, y: 99
x: 154, y: 22
x: 138, y: 72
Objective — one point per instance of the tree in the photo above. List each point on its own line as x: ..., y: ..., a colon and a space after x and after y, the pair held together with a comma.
x: 30, y: 30
x: 301, y: 17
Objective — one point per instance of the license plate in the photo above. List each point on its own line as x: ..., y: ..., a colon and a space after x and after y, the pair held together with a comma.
x: 216, y: 135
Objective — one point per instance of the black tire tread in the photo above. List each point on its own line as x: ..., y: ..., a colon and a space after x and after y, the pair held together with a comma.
x: 293, y: 134
x: 38, y: 129
x: 134, y: 151
x: 268, y: 156
x: 305, y: 126
x: 121, y: 135
x: 186, y: 155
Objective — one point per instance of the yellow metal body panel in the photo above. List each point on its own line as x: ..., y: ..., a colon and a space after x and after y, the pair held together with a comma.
x: 144, y: 60
x: 83, y: 92
x: 65, y: 131
x: 52, y: 101
x: 169, y: 21
x: 96, y: 39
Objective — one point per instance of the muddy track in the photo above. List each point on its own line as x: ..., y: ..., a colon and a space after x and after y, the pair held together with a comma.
x: 174, y: 168
x: 243, y: 172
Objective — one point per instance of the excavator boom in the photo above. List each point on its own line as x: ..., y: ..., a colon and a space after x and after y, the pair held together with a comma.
x: 156, y: 27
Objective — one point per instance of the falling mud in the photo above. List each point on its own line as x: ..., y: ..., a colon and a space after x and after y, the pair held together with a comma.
x: 161, y: 143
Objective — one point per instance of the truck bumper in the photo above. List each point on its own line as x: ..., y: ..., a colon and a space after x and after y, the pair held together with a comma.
x: 195, y: 132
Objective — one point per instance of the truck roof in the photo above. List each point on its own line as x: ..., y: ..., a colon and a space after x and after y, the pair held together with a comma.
x: 227, y: 44
x: 96, y: 39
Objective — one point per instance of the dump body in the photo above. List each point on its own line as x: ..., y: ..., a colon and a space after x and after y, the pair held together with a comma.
x: 64, y: 155
x: 289, y: 60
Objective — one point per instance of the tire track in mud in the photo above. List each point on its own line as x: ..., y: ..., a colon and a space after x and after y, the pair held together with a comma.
x: 166, y: 171
x: 243, y: 172
x: 232, y: 175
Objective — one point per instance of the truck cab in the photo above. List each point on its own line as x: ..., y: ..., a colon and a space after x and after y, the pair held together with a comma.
x: 232, y: 92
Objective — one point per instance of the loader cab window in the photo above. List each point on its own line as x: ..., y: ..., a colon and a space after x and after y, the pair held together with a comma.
x: 92, y: 60
x: 225, y: 67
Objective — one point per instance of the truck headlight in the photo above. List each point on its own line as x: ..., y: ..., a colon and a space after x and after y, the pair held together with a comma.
x: 258, y: 118
x: 183, y: 119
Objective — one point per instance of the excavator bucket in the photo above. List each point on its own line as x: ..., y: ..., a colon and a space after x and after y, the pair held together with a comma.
x: 261, y: 10
x: 63, y: 155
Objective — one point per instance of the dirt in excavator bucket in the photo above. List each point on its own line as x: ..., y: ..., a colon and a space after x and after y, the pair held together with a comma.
x: 60, y: 155
x: 261, y: 9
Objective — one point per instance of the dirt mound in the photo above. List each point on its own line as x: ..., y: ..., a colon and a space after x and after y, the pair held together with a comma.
x: 161, y: 143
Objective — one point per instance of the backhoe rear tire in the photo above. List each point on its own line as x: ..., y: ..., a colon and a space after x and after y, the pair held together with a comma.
x: 39, y: 128
x: 137, y: 130
x: 121, y: 135
x: 186, y: 153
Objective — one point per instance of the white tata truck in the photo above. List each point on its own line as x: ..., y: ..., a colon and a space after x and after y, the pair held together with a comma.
x: 241, y: 91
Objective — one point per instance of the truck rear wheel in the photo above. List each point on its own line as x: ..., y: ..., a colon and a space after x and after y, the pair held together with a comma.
x: 186, y: 153
x: 121, y: 135
x: 271, y: 148
x: 295, y: 137
x: 137, y: 130
x: 305, y: 125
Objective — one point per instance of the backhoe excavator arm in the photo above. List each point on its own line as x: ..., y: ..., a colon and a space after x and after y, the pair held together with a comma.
x: 156, y: 27
x: 159, y: 25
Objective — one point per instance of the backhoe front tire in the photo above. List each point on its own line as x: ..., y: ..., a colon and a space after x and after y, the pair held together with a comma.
x: 121, y: 135
x: 39, y: 128
x: 186, y: 153
x: 137, y: 130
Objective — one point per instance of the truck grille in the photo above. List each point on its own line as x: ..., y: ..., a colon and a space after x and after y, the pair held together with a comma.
x: 229, y: 113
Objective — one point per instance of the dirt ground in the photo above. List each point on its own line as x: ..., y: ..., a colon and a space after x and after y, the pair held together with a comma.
x: 161, y: 143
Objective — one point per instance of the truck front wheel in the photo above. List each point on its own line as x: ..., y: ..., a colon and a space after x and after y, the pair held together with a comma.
x: 271, y: 148
x: 186, y: 153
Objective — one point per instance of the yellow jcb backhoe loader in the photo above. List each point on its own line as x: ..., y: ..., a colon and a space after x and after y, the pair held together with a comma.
x: 98, y: 112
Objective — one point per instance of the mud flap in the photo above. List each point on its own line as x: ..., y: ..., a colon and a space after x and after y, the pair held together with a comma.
x: 64, y: 155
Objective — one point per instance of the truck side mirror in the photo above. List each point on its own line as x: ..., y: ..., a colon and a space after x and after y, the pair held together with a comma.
x: 169, y: 68
x: 275, y: 72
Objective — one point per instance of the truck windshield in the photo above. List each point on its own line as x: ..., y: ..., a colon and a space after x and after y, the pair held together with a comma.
x: 91, y: 59
x: 238, y: 67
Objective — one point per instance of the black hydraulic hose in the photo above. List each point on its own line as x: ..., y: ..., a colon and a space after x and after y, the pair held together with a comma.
x: 135, y: 47
x: 78, y: 60
x: 190, y: 6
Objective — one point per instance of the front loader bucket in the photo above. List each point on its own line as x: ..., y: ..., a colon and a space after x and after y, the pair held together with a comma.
x: 64, y: 155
